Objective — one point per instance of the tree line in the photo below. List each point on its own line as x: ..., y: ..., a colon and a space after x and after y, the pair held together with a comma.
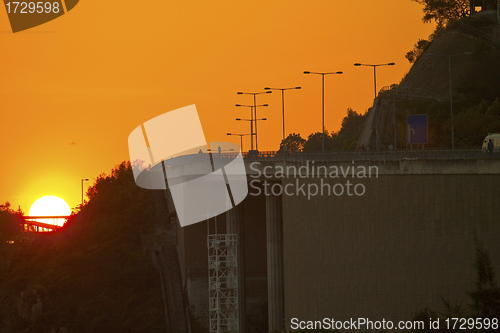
x: 345, y: 139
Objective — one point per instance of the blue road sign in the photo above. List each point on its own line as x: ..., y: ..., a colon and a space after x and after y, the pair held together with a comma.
x: 416, y: 128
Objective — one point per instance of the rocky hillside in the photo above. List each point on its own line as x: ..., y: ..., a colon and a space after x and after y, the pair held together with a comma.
x: 426, y: 90
x: 478, y: 73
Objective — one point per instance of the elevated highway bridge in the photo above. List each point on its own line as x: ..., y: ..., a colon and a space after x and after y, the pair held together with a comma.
x: 33, y: 223
x: 407, y: 241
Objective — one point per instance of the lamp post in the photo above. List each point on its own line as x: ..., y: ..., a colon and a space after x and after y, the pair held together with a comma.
x: 219, y: 150
x: 451, y: 92
x: 252, y: 133
x: 375, y: 72
x: 323, y: 103
x: 282, y: 103
x: 83, y: 180
x: 255, y: 110
x: 240, y: 119
x: 375, y: 89
x: 241, y: 139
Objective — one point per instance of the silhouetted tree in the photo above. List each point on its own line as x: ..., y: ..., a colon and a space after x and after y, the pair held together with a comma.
x: 293, y: 143
x: 10, y: 222
x: 443, y: 11
x: 94, y: 274
x: 345, y: 139
x: 485, y: 300
x: 348, y: 135
x: 417, y: 50
x: 314, y: 142
x: 486, y: 296
x: 473, y: 124
x: 119, y: 180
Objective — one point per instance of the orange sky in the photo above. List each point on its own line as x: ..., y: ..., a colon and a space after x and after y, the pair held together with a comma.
x: 96, y: 73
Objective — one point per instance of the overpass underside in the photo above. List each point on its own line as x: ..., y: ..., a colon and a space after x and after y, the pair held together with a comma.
x: 386, y: 252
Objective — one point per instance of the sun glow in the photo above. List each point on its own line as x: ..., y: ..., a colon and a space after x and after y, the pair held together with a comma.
x: 50, y: 205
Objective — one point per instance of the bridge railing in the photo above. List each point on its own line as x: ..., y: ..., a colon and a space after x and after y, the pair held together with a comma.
x: 360, y: 155
x: 373, y: 155
x: 43, y: 223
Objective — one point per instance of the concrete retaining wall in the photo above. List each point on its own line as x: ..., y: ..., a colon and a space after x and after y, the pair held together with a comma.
x: 391, y: 252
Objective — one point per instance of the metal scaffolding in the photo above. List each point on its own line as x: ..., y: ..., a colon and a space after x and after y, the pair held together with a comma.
x: 223, y: 283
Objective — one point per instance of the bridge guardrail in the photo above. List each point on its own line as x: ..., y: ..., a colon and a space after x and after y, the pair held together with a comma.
x: 376, y: 156
x: 362, y: 155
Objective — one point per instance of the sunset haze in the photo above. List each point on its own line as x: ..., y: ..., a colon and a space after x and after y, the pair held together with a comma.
x: 73, y: 89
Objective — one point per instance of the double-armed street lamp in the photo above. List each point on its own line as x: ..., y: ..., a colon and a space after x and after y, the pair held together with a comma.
x: 449, y: 56
x: 255, y: 120
x: 252, y: 133
x: 375, y: 89
x: 241, y: 139
x: 251, y: 123
x: 83, y: 180
x: 219, y: 150
x: 255, y: 110
x: 375, y: 72
x: 282, y: 102
x: 323, y: 103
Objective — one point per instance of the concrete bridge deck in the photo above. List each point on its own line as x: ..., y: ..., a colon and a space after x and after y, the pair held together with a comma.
x: 387, y: 162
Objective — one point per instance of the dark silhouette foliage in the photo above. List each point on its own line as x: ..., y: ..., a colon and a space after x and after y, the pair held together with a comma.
x: 345, y: 139
x: 444, y: 11
x: 10, y: 223
x: 471, y: 123
x: 485, y: 300
x: 486, y: 296
x: 293, y: 143
x: 93, y: 275
x: 418, y: 49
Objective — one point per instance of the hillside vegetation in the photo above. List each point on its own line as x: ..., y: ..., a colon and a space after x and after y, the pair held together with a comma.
x: 343, y: 140
x: 91, y: 276
x: 474, y: 43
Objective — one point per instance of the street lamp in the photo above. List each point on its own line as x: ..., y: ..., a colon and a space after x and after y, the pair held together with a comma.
x: 83, y: 180
x: 251, y: 123
x: 239, y: 119
x: 241, y: 139
x: 323, y: 104
x: 282, y: 103
x: 252, y: 133
x: 219, y: 150
x: 451, y: 93
x: 375, y: 72
x: 255, y: 111
x: 375, y: 88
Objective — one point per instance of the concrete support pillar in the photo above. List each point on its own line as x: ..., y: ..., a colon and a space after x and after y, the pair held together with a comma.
x: 275, y: 282
x: 234, y: 225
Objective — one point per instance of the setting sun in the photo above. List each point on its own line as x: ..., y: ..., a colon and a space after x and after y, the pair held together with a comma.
x: 50, y: 205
